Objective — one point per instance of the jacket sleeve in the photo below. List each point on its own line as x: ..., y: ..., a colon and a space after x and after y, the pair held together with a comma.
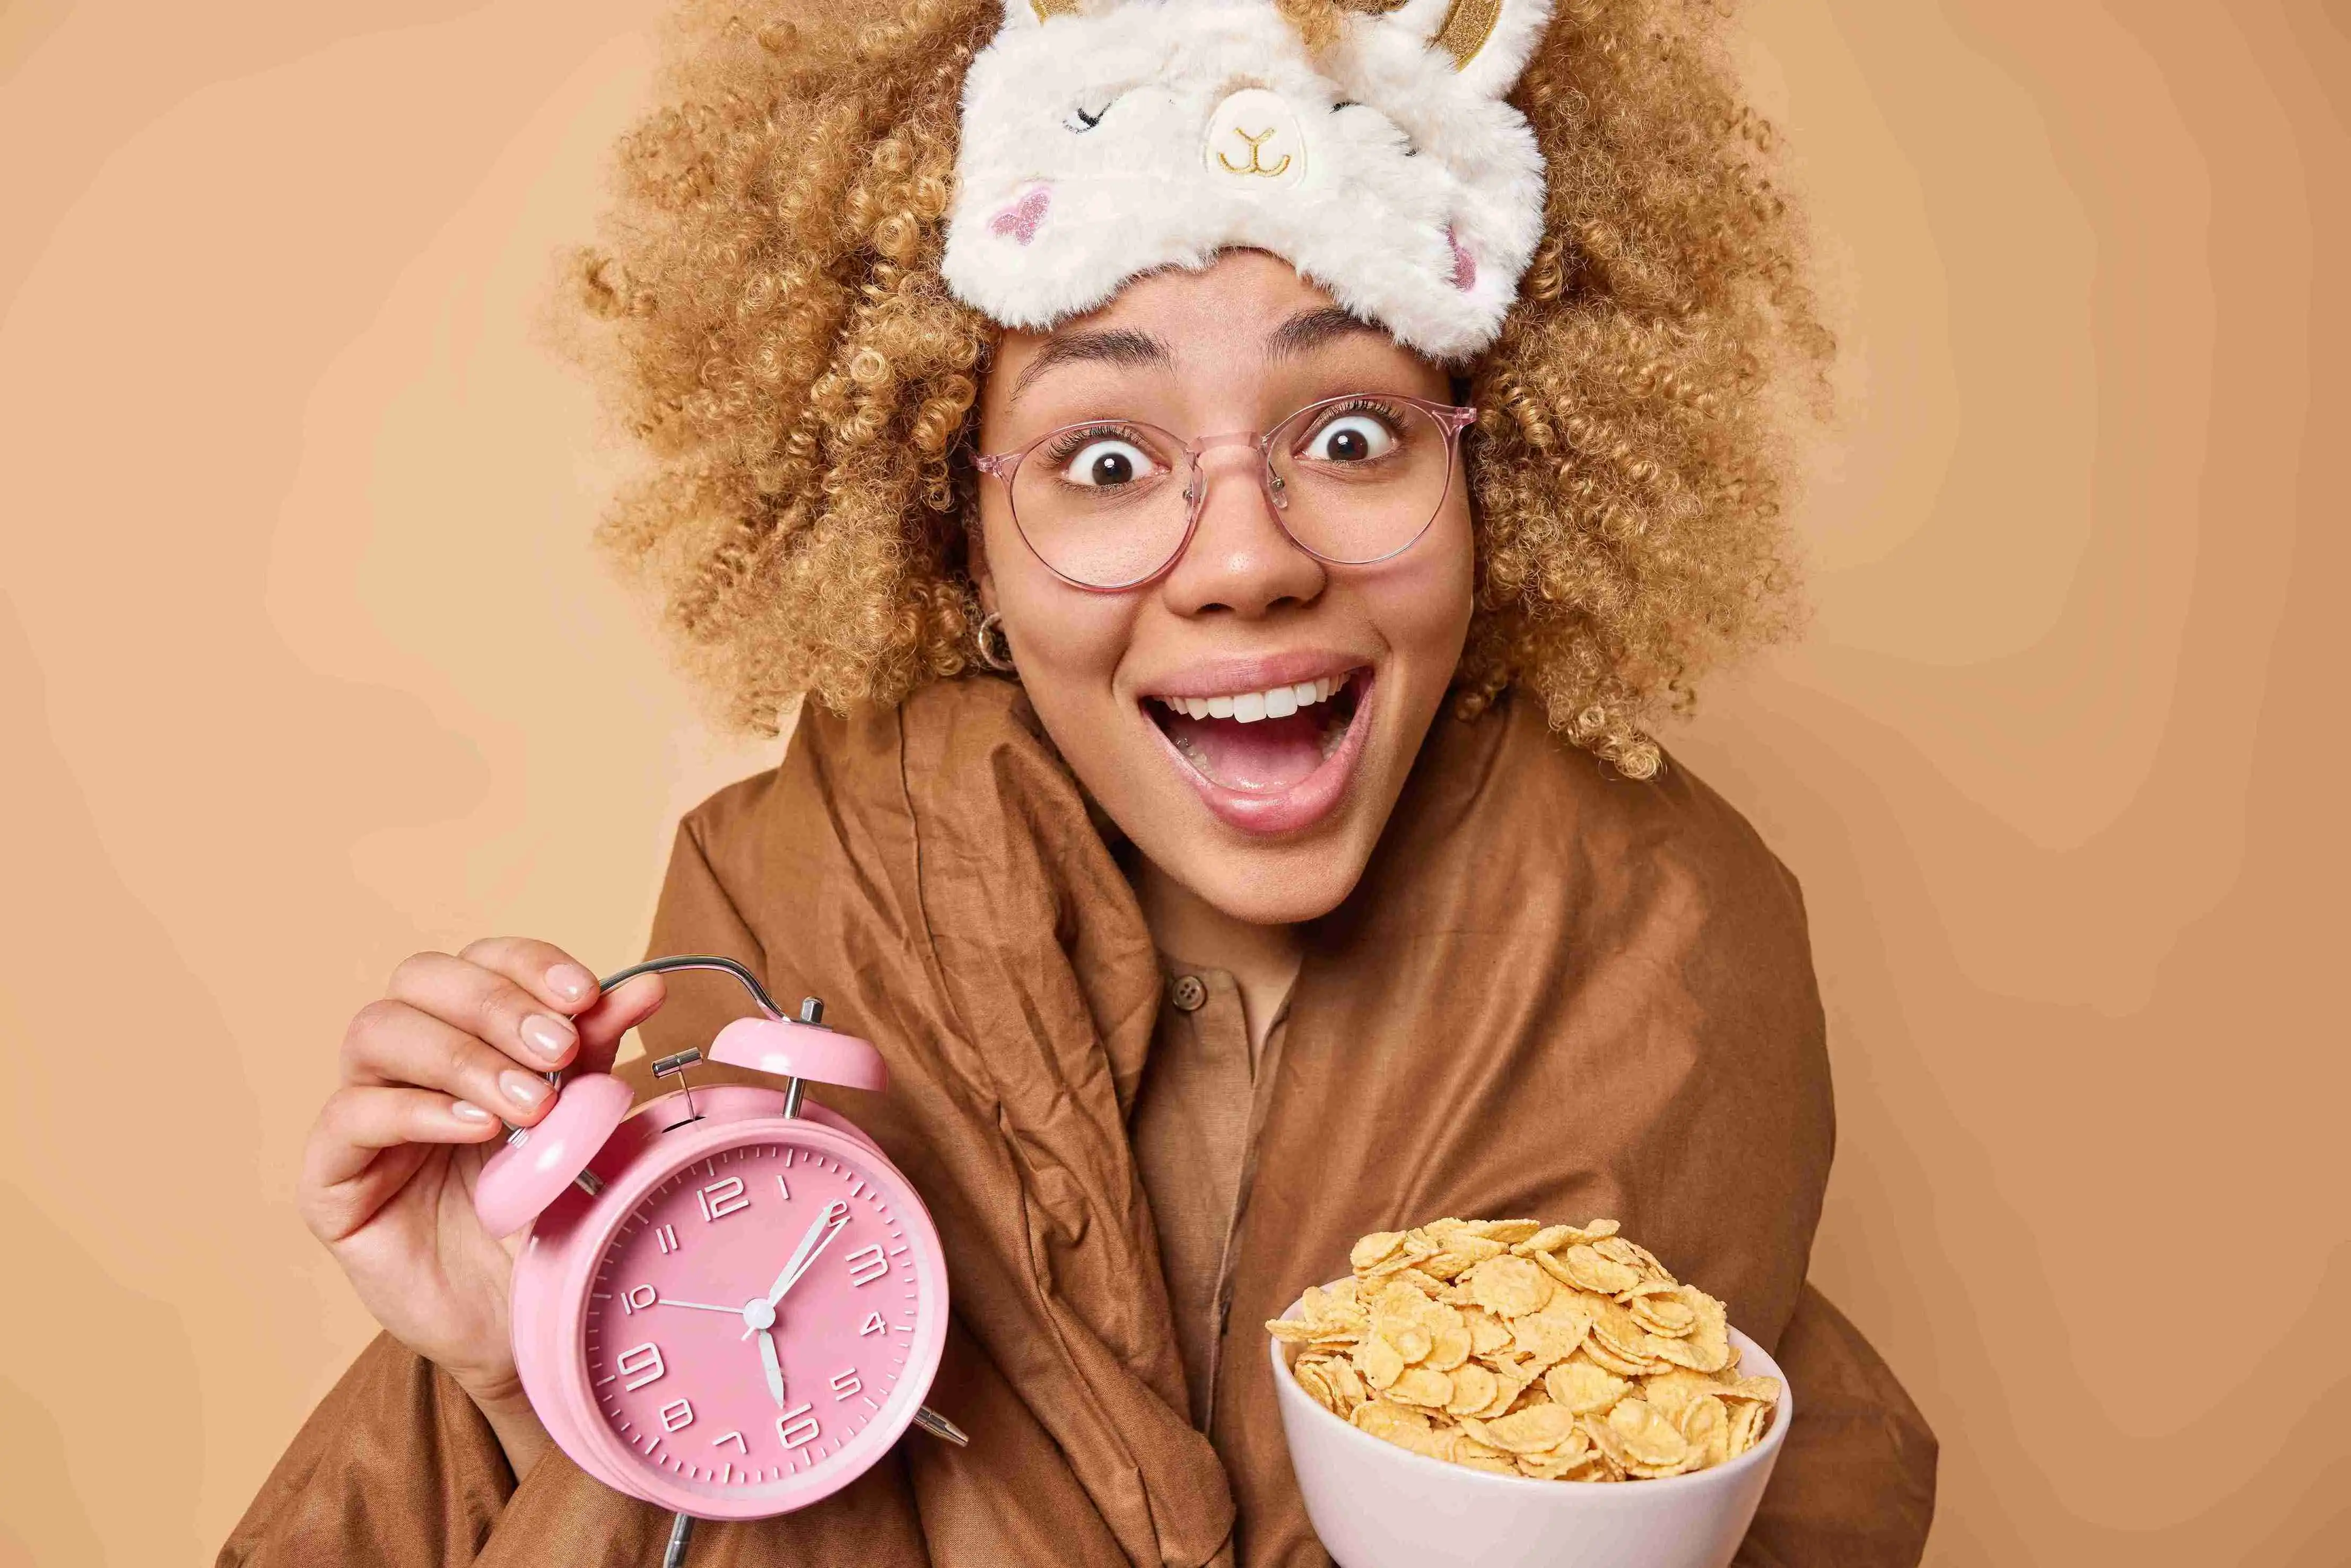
x: 1855, y: 1486
x: 395, y: 1469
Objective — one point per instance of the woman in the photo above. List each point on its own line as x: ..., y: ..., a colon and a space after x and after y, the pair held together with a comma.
x: 1297, y: 867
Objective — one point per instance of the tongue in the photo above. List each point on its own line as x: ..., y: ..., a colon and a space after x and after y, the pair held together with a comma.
x: 1269, y: 756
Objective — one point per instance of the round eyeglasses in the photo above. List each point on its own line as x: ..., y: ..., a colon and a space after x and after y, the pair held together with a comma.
x: 1111, y: 503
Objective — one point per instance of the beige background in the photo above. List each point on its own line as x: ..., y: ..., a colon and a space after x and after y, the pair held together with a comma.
x: 306, y: 662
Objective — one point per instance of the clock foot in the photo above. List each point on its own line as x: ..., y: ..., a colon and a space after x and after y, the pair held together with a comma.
x: 939, y: 1426
x: 681, y: 1532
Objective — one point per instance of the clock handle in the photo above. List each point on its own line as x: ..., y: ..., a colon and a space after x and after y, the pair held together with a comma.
x: 710, y: 961
x: 790, y: 1049
x: 684, y: 1058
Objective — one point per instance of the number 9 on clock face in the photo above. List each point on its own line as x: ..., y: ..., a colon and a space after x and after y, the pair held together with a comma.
x: 759, y: 1326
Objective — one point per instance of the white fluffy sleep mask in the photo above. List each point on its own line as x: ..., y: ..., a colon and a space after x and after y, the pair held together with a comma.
x: 1107, y: 138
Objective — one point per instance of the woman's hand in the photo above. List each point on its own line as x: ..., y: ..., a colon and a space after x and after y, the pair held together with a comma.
x: 456, y: 1045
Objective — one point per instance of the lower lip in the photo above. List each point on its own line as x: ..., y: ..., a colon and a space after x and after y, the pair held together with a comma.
x: 1301, y: 805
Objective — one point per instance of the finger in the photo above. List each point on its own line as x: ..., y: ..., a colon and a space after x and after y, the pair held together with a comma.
x: 392, y: 1044
x: 542, y: 968
x: 614, y: 1014
x: 490, y: 1005
x: 600, y: 1020
x: 359, y: 1121
x: 334, y: 1213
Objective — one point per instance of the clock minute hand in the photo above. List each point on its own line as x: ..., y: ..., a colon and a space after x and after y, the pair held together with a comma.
x: 811, y: 1244
x: 835, y: 1216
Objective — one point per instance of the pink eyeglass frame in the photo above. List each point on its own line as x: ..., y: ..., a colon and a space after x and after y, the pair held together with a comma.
x: 1454, y: 419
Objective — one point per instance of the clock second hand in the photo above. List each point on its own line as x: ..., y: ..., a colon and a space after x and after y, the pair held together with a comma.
x: 697, y: 1306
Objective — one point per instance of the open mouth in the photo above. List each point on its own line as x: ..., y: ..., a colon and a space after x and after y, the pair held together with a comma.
x: 1263, y: 743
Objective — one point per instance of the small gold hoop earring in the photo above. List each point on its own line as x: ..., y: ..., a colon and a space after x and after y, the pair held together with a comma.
x: 988, y: 636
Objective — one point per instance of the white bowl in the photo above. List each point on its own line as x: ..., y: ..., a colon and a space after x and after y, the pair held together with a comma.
x: 1378, y: 1506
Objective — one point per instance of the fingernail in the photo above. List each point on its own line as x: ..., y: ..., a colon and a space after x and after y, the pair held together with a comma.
x: 571, y: 982
x: 466, y: 1110
x: 523, y: 1088
x: 550, y: 1037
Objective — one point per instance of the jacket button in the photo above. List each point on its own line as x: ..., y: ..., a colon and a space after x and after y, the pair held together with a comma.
x: 1188, y: 993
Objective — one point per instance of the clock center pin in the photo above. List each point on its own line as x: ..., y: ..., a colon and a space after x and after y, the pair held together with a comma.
x: 758, y: 1314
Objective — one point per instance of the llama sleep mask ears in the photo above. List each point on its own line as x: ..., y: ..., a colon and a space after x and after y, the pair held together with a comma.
x: 1102, y: 138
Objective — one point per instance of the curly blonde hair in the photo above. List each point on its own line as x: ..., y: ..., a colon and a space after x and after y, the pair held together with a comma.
x: 783, y: 345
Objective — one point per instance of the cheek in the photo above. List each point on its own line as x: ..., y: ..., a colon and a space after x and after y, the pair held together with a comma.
x: 1067, y: 643
x: 1423, y: 606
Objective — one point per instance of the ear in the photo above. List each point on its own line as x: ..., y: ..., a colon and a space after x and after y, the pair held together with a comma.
x: 1489, y: 40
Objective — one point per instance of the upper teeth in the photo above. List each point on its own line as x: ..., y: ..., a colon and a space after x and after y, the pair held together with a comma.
x: 1248, y: 708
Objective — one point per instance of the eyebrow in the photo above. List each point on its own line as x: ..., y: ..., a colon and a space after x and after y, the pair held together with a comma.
x: 1121, y: 346
x: 1132, y: 349
x: 1310, y: 329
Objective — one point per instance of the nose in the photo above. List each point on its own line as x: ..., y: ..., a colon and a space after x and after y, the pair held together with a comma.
x: 1241, y: 560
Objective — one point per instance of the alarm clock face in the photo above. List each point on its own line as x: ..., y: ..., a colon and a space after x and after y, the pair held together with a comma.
x: 761, y: 1323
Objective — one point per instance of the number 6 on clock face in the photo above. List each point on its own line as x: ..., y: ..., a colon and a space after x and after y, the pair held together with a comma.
x: 796, y: 1426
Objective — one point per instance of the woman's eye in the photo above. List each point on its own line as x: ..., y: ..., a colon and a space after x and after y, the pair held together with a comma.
x: 1351, y: 438
x: 1106, y: 463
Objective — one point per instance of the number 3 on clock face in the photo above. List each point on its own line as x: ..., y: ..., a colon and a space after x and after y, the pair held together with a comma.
x: 754, y: 1313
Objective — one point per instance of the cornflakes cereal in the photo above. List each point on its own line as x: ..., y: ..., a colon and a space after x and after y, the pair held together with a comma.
x: 1509, y: 1286
x: 1706, y: 1424
x: 1379, y: 1361
x: 1421, y: 1385
x: 1584, y: 1388
x: 1474, y: 1387
x: 1557, y: 1352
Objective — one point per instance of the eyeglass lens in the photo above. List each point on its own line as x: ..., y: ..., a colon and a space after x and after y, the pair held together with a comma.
x: 1355, y: 481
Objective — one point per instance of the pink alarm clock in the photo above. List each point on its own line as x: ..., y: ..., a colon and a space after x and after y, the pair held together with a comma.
x: 730, y: 1303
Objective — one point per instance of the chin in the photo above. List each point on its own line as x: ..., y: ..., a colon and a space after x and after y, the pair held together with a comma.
x: 1273, y: 887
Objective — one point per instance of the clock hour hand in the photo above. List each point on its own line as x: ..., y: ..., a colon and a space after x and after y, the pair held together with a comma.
x: 774, y: 1365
